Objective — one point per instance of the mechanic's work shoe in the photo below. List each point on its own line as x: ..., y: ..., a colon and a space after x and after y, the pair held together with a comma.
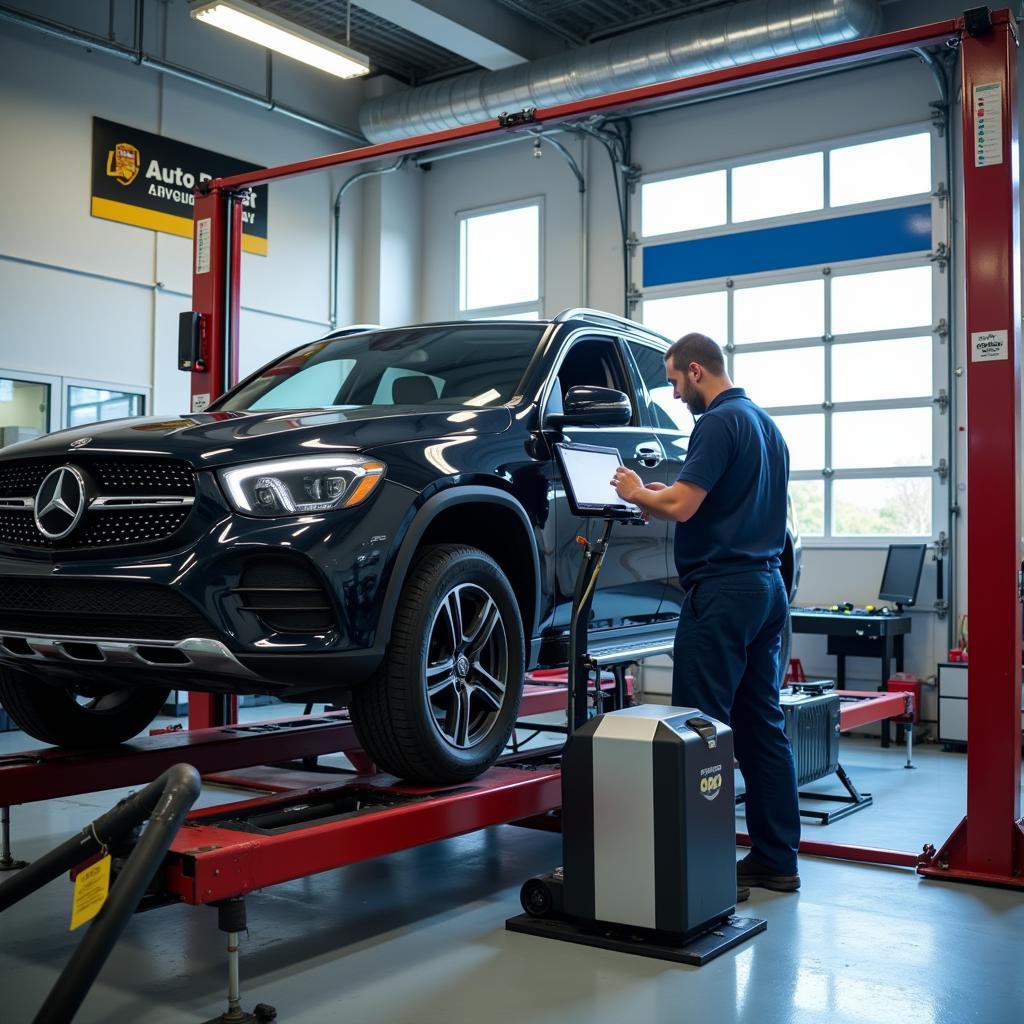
x: 742, y: 893
x: 751, y: 872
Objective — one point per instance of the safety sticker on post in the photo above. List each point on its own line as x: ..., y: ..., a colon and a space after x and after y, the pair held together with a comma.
x: 988, y: 345
x: 203, y: 245
x: 91, y: 888
x: 988, y: 124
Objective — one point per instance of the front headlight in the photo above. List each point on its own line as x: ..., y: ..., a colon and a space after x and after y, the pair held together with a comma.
x: 313, y: 483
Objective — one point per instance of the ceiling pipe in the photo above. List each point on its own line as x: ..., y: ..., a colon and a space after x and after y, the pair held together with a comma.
x: 721, y: 38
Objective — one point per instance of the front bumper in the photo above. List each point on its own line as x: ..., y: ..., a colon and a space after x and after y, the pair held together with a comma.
x: 196, y: 654
x: 226, y: 644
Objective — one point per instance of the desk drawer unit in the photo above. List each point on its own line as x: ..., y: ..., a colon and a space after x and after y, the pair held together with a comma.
x: 953, y: 703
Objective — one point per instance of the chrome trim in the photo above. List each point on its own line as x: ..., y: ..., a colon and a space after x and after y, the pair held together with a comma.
x: 57, y: 502
x: 135, y: 502
x: 107, y: 504
x: 599, y: 316
x: 621, y: 655
x: 199, y: 653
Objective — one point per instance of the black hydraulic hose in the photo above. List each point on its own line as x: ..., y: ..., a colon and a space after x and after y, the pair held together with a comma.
x: 164, y: 802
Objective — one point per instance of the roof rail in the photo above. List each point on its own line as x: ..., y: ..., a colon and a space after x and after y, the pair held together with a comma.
x: 599, y: 316
x: 341, y: 332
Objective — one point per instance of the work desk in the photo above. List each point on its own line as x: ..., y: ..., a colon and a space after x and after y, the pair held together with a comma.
x: 858, y: 636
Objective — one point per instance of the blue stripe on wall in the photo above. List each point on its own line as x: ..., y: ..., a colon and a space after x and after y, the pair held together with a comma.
x: 857, y: 237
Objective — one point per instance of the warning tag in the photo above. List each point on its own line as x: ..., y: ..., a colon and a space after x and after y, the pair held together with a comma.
x: 987, y: 345
x: 203, y: 228
x: 200, y: 402
x: 91, y: 888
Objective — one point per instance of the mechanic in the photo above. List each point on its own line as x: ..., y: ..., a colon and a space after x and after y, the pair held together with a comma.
x: 729, y: 506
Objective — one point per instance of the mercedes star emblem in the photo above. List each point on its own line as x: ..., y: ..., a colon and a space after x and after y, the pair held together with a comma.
x: 60, y: 502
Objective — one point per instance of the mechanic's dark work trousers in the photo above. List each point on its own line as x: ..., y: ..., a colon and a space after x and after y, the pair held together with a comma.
x: 726, y: 663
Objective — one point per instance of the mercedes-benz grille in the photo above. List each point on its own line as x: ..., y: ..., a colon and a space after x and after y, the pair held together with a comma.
x: 124, y: 500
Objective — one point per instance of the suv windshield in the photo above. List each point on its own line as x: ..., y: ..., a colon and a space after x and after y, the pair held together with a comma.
x: 472, y: 364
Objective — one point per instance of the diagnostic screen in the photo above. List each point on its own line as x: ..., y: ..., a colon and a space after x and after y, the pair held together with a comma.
x: 589, y: 474
x: 902, y: 573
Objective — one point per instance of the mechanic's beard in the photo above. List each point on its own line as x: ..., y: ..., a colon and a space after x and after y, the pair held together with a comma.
x: 694, y: 400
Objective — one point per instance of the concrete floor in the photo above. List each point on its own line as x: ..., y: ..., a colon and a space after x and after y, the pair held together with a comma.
x: 418, y: 938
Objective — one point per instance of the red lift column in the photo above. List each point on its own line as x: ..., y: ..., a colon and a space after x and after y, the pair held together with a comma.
x: 216, y: 254
x: 988, y: 845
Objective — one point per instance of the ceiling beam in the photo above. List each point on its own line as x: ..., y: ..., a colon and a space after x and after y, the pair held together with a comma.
x: 483, y: 32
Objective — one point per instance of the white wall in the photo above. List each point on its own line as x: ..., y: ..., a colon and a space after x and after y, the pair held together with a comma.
x: 501, y: 175
x: 90, y: 298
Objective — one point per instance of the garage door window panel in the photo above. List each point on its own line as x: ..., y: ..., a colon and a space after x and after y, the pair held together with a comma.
x: 805, y: 438
x: 829, y: 320
x: 782, y: 377
x: 878, y: 370
x: 779, y: 312
x: 880, y: 170
x: 882, y: 301
x: 688, y: 203
x: 808, y: 497
x: 700, y: 312
x: 882, y: 438
x: 776, y: 188
x: 883, y: 507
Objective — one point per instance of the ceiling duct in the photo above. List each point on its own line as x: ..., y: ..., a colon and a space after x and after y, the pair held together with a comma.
x: 721, y: 38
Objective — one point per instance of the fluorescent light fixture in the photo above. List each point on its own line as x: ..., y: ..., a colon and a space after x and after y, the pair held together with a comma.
x: 266, y: 29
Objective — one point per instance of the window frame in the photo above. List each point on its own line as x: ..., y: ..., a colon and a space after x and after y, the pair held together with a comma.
x: 822, y: 145
x: 55, y: 398
x: 503, y: 309
x: 66, y: 383
x: 940, y: 341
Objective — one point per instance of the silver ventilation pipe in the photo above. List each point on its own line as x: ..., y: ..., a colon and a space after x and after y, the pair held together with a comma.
x: 721, y: 38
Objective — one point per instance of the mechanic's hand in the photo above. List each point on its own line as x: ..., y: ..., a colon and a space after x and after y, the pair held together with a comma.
x: 656, y: 485
x: 627, y: 484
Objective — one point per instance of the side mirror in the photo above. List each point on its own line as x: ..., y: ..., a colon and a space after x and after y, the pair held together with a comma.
x: 587, y: 406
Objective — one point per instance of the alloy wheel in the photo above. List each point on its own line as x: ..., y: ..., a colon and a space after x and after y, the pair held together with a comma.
x: 466, y: 665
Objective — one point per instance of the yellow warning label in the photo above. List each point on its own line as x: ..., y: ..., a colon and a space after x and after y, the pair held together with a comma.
x: 91, y: 888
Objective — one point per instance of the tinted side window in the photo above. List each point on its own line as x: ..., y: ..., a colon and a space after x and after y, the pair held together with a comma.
x: 666, y: 411
x: 596, y: 362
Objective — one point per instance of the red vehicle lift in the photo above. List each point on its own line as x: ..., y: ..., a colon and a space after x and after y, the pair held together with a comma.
x: 988, y: 846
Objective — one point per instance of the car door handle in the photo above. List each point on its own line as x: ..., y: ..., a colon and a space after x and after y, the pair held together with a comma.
x: 649, y: 455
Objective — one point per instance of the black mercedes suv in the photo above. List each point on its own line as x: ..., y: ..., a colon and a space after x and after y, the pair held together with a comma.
x: 374, y: 519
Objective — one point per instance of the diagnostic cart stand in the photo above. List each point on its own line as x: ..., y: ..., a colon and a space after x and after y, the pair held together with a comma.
x: 648, y: 825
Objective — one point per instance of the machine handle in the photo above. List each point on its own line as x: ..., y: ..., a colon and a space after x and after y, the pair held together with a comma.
x: 706, y: 730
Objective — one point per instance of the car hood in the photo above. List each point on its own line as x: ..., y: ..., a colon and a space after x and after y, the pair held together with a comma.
x: 224, y: 438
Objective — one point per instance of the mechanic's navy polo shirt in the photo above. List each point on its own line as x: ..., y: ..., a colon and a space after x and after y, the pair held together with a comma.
x: 738, y: 456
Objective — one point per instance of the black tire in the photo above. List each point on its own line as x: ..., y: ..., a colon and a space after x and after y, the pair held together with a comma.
x: 460, y: 729
x: 59, y: 715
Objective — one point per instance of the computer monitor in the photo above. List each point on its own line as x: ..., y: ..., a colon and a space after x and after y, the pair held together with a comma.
x: 902, y: 575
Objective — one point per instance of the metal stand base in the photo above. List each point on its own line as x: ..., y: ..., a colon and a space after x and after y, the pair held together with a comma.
x: 952, y: 863
x: 856, y: 801
x: 261, y: 1013
x: 640, y: 941
x: 7, y: 862
x: 231, y: 919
